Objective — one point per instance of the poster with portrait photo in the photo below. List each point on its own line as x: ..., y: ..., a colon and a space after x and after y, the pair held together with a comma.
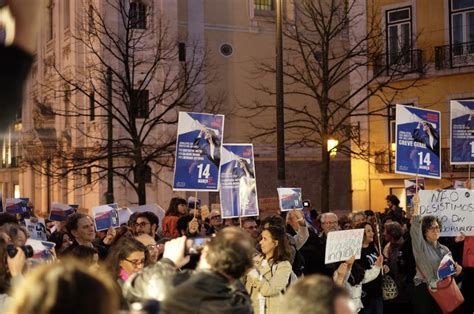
x: 17, y: 205
x: 462, y: 131
x: 238, y: 185
x: 418, y: 142
x: 106, y: 216
x: 60, y: 212
x: 198, y: 152
x: 410, y: 189
x: 290, y: 198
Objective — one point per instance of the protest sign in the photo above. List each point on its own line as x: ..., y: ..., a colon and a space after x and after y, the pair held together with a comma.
x: 290, y: 198
x: 17, y: 205
x: 198, y: 152
x: 410, y: 189
x: 60, y: 212
x: 124, y: 215
x: 238, y: 194
x: 36, y: 228
x: 42, y: 251
x: 154, y: 208
x: 455, y: 209
x: 418, y: 142
x: 341, y: 245
x: 462, y: 131
x: 461, y: 184
x: 105, y: 216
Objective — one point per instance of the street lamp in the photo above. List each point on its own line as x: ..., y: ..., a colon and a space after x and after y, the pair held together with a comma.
x: 332, y: 147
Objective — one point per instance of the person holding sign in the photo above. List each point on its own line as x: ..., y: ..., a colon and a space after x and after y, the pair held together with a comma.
x: 352, y: 276
x: 428, y: 252
x: 271, y: 272
x: 372, y: 298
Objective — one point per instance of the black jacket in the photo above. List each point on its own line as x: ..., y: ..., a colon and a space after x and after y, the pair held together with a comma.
x: 208, y: 292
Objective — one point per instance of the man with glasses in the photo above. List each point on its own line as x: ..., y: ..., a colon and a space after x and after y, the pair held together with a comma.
x: 250, y: 225
x: 151, y: 246
x: 215, y: 222
x: 146, y: 223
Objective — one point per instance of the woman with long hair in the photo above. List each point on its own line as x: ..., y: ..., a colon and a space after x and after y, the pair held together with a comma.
x: 372, y: 299
x: 178, y: 207
x: 271, y: 272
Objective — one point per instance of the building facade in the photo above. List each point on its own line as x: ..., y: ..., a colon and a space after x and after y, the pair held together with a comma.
x: 235, y: 35
x: 434, y: 39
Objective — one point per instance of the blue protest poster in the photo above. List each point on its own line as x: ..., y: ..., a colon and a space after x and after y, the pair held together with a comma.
x: 198, y: 152
x: 290, y: 198
x: 462, y: 131
x: 410, y: 189
x: 418, y: 142
x: 17, y: 205
x: 106, y: 216
x: 238, y: 185
x: 60, y: 212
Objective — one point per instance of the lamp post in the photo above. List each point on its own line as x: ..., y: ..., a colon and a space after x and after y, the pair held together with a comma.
x: 280, y: 123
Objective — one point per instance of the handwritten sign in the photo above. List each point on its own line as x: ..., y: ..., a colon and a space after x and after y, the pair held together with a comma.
x: 455, y: 209
x: 341, y: 245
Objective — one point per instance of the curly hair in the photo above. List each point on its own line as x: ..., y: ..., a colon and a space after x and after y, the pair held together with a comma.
x: 5, y: 276
x: 427, y: 222
x: 230, y: 252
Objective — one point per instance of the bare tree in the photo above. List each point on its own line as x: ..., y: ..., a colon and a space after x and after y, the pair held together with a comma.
x: 135, y: 73
x: 321, y: 53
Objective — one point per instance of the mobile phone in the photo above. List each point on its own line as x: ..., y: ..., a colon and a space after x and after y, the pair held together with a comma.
x: 306, y: 204
x: 195, y: 245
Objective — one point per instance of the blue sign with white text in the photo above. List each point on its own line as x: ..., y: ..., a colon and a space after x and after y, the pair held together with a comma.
x: 238, y: 193
x: 462, y: 131
x: 198, y: 152
x: 418, y: 142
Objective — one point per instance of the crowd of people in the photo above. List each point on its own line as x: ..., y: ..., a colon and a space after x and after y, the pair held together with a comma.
x: 198, y: 262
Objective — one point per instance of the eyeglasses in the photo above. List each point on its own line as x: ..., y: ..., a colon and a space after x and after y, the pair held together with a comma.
x: 216, y: 217
x: 136, y: 262
x: 434, y: 228
x: 330, y: 223
x: 142, y: 224
x: 154, y: 246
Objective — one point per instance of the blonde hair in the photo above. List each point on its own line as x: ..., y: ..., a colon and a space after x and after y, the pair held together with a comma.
x: 65, y: 287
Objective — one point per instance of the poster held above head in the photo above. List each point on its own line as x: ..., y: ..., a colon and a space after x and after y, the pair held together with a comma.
x: 418, y: 149
x: 410, y: 190
x: 198, y: 152
x: 17, y: 205
x: 455, y: 209
x: 342, y: 245
x: 238, y: 193
x: 462, y: 131
x: 60, y: 212
x: 290, y: 198
x: 106, y: 216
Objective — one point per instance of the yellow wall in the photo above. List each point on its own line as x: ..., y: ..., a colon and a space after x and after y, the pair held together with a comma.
x: 433, y: 90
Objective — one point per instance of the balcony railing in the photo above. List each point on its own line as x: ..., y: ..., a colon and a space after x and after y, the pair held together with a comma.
x: 454, y: 56
x: 409, y: 61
